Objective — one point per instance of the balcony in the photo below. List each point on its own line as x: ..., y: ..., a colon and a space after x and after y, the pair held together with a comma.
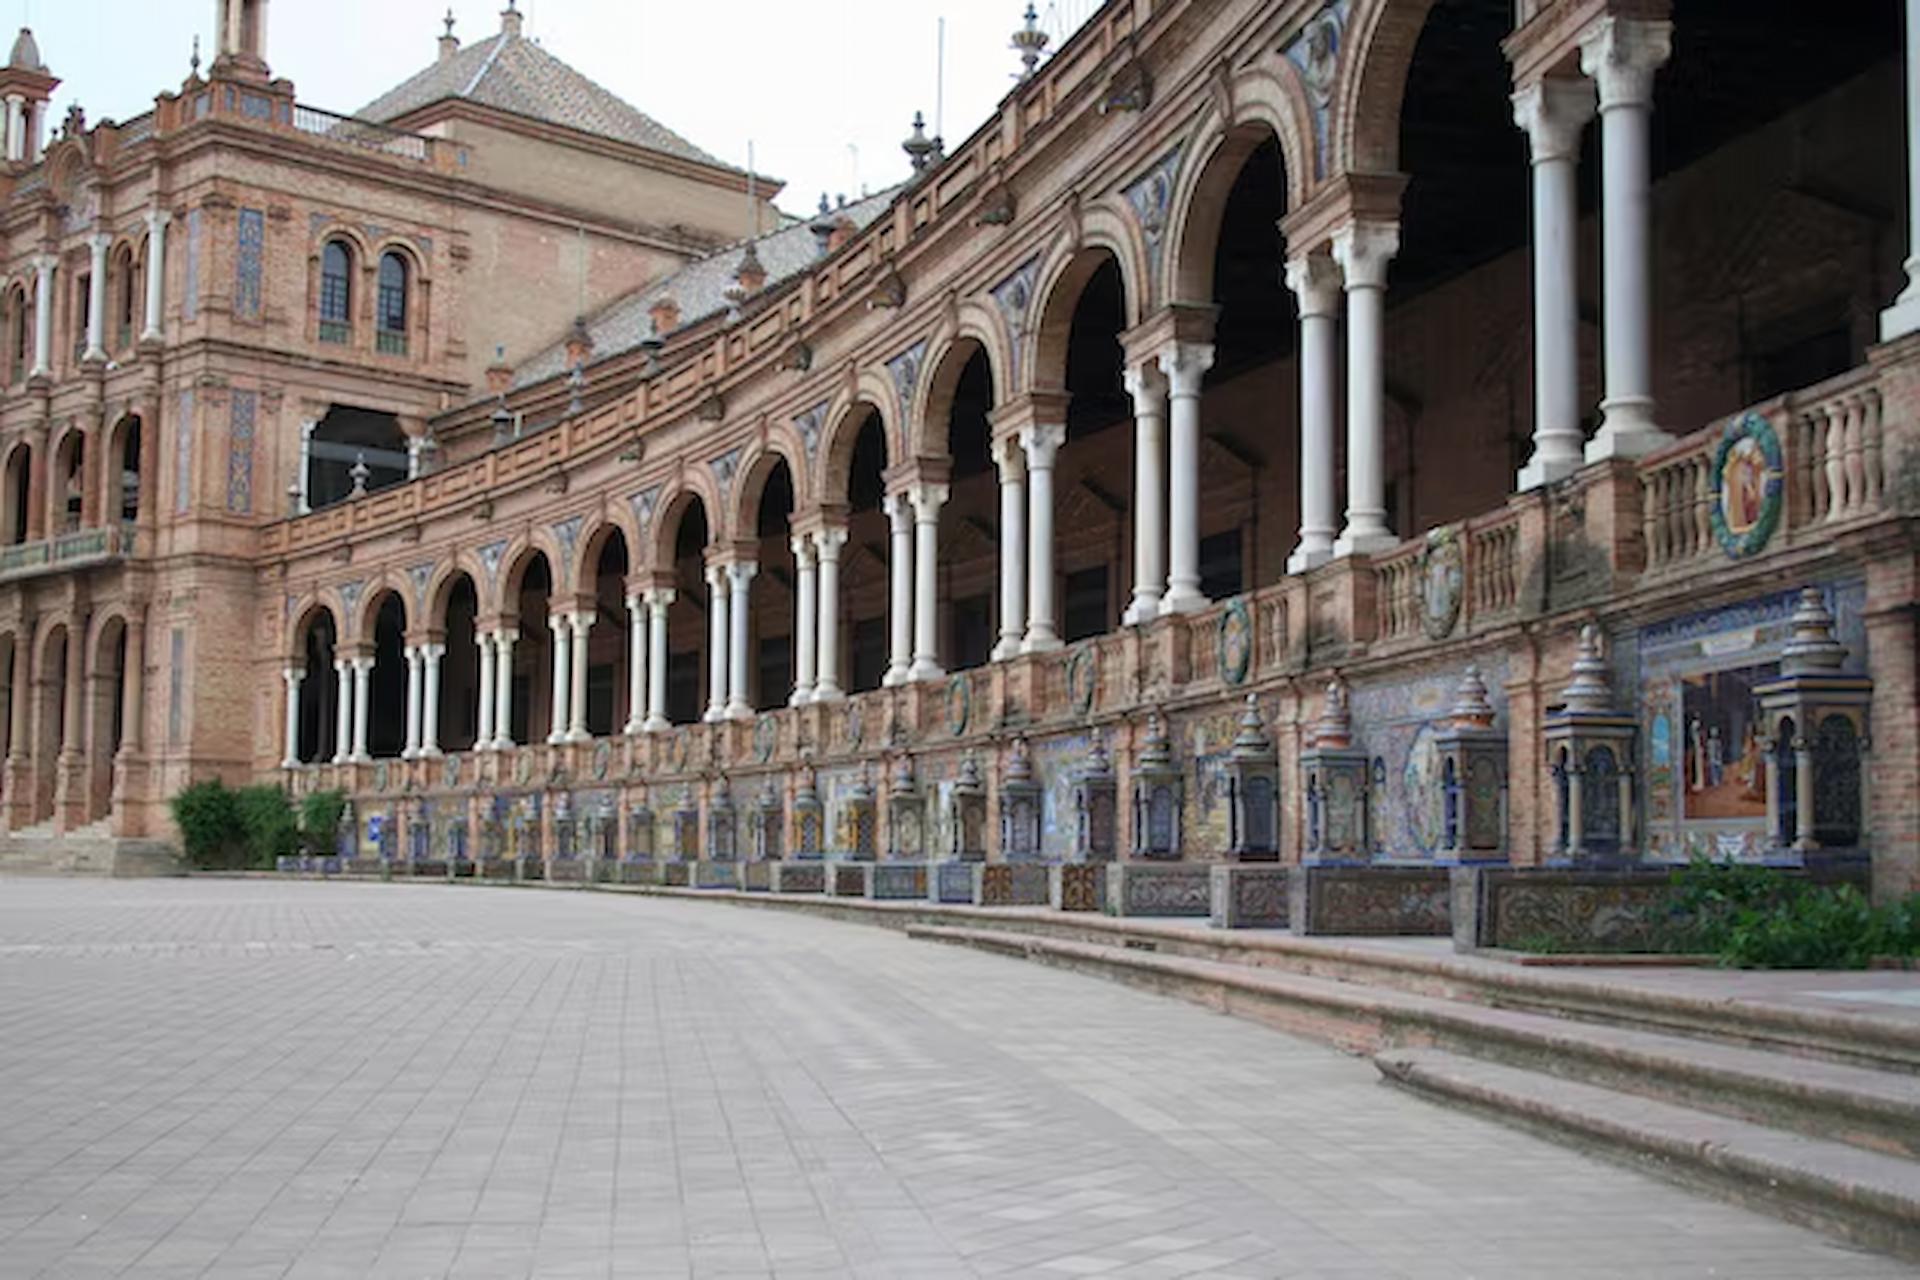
x: 82, y: 549
x: 336, y: 331
x: 389, y: 342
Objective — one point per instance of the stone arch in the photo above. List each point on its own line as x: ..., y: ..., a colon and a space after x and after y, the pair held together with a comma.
x: 441, y: 584
x: 387, y: 584
x: 16, y: 493
x: 103, y: 705
x: 607, y: 525
x: 751, y: 483
x: 1376, y: 52
x: 306, y: 612
x: 1060, y: 295
x: 847, y: 416
x: 519, y: 557
x: 977, y: 331
x: 1219, y: 152
x: 690, y: 487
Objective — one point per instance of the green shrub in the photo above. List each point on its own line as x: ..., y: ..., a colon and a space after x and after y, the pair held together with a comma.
x: 267, y: 824
x: 320, y: 815
x: 1761, y: 918
x: 208, y: 816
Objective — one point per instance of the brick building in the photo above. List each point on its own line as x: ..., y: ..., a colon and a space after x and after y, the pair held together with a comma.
x: 1355, y: 356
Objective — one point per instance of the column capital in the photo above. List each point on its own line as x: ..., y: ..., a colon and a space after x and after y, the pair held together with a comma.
x: 44, y: 263
x: 158, y: 218
x: 1185, y: 364
x: 1177, y: 322
x: 100, y: 242
x: 1020, y: 411
x: 1552, y: 113
x: 717, y: 575
x: 899, y: 509
x: 1009, y: 459
x: 293, y: 675
x: 504, y: 635
x: 1363, y: 250
x: 1146, y: 386
x: 433, y: 652
x: 559, y: 620
x: 927, y: 499
x: 1622, y: 54
x: 801, y: 544
x: 741, y: 571
x: 828, y: 539
x: 1314, y: 279
x: 365, y: 663
x: 658, y: 597
x: 582, y: 622
x: 1042, y: 441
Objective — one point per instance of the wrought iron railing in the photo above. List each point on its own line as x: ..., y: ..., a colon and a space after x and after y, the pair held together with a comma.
x: 360, y: 133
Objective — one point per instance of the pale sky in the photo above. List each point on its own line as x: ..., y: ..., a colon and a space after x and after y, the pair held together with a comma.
x: 802, y: 79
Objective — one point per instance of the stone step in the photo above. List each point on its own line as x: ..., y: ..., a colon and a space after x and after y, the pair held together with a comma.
x: 1865, y: 1197
x: 1870, y: 1109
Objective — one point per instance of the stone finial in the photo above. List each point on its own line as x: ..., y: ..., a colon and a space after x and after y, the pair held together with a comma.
x: 806, y: 792
x: 1099, y: 762
x: 26, y: 52
x: 1471, y: 709
x: 722, y: 793
x: 664, y: 315
x: 970, y: 782
x: 499, y: 373
x: 1252, y: 741
x: 1156, y: 752
x: 449, y: 43
x: 751, y: 275
x: 1334, y: 729
x: 1028, y: 41
x: 769, y: 795
x: 1811, y: 648
x: 1589, y: 689
x: 862, y: 788
x: 359, y: 474
x: 1019, y: 764
x: 903, y: 779
x: 579, y: 343
x: 510, y: 19
x: 918, y: 146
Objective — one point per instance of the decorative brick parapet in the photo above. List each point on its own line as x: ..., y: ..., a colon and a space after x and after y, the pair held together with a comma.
x: 1159, y: 889
x: 1249, y: 897
x: 1371, y: 901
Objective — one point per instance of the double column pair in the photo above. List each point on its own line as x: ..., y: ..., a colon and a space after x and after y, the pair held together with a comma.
x: 729, y: 605
x: 913, y: 517
x: 354, y: 680
x: 1165, y: 390
x: 816, y: 578
x: 1025, y: 461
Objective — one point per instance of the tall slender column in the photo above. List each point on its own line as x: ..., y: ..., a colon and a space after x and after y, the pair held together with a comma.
x: 827, y: 542
x: 1553, y: 113
x: 560, y: 646
x: 740, y: 578
x: 73, y: 730
x: 43, y: 316
x: 343, y: 710
x: 1903, y: 317
x: 717, y: 636
x: 577, y: 684
x: 1042, y: 444
x: 1363, y: 251
x: 489, y: 694
x: 430, y: 656
x: 97, y: 298
x: 900, y: 597
x: 362, y: 695
x: 806, y: 620
x: 133, y: 696
x: 504, y: 640
x: 20, y: 701
x: 1184, y: 364
x: 1011, y: 460
x: 636, y: 664
x: 1315, y: 282
x: 411, y: 748
x: 16, y: 127
x: 1621, y: 55
x: 657, y: 598
x: 293, y: 676
x: 927, y: 500
x: 153, y: 330
x: 1147, y: 387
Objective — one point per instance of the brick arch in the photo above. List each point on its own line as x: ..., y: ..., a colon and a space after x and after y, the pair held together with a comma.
x: 440, y: 588
x: 1376, y: 51
x: 845, y: 419
x: 751, y: 482
x: 367, y: 616
x: 586, y: 567
x: 1264, y: 107
x: 307, y: 609
x: 693, y: 485
x: 977, y: 329
x: 514, y: 563
x: 1065, y: 280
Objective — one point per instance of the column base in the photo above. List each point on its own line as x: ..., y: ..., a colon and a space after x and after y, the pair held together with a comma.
x: 557, y: 738
x: 1183, y: 598
x: 925, y: 669
x: 713, y: 715
x: 1144, y: 609
x: 1627, y: 430
x: 1040, y: 642
x: 633, y: 727
x: 1306, y: 558
x: 1903, y: 317
x: 829, y: 693
x: 428, y: 753
x: 1363, y: 543
x: 657, y: 724
x: 739, y: 711
x: 1541, y: 472
x: 800, y: 697
x: 895, y: 675
x: 1009, y: 647
x: 578, y: 735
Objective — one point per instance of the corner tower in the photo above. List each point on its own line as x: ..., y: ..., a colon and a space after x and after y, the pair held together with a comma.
x: 25, y: 87
x: 242, y: 28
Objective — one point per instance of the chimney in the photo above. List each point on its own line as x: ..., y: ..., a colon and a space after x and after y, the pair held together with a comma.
x: 510, y: 19
x: 665, y: 314
x: 843, y: 230
x: 751, y: 275
x: 579, y: 343
x: 449, y: 43
x: 499, y: 373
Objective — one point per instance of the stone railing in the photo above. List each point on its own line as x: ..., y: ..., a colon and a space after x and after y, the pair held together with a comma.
x: 361, y: 133
x: 1493, y: 566
x: 1401, y: 602
x: 81, y: 549
x: 1831, y: 470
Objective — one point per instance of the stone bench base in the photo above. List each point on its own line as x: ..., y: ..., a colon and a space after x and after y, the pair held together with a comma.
x: 849, y: 879
x: 897, y: 881
x: 1077, y: 886
x: 799, y: 877
x: 676, y: 874
x: 1249, y: 896
x: 1379, y: 902
x: 1159, y: 889
x: 954, y: 882
x: 716, y: 875
x: 567, y: 871
x: 757, y: 876
x: 1015, y: 884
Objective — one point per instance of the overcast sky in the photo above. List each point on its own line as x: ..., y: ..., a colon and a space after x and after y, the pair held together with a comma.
x: 805, y: 80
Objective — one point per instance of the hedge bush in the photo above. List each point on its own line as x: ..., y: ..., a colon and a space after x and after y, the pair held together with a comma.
x: 1761, y: 918
x: 320, y: 815
x: 209, y: 821
x: 268, y: 827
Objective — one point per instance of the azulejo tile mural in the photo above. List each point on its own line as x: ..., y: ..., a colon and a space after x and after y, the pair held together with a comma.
x: 1705, y: 748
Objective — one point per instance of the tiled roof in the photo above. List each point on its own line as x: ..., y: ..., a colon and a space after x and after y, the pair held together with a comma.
x: 509, y: 72
x: 699, y: 288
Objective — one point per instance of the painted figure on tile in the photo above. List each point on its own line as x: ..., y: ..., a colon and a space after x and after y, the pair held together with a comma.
x: 1726, y: 770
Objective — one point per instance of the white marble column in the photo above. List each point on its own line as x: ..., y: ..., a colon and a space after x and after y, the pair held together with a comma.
x: 806, y: 620
x: 483, y: 734
x: 1903, y: 317
x: 16, y: 127
x: 153, y: 330
x: 415, y: 665
x: 717, y: 635
x: 1315, y: 282
x: 503, y: 640
x: 430, y: 656
x: 577, y: 682
x: 900, y: 593
x: 927, y: 500
x: 827, y: 543
x: 657, y: 599
x: 342, y: 710
x: 559, y: 665
x: 1147, y: 388
x: 1011, y: 461
x: 97, y: 298
x: 362, y: 706
x: 293, y: 676
x: 636, y: 664
x: 43, y: 316
x: 1184, y: 364
x: 1042, y: 445
x: 1622, y: 54
x: 1363, y: 251
x: 739, y: 613
x: 1553, y: 113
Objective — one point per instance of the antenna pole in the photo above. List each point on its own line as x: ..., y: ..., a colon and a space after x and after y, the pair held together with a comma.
x: 940, y: 81
x: 753, y: 205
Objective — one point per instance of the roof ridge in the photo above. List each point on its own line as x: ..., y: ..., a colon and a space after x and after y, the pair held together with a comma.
x: 486, y: 64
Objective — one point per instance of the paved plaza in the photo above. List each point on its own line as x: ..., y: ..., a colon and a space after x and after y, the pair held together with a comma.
x: 250, y: 1079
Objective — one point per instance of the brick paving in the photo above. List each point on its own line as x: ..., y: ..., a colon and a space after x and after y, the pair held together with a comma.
x: 248, y: 1078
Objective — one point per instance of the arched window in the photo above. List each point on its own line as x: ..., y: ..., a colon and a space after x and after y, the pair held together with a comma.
x: 124, y: 295
x: 17, y: 330
x: 390, y: 315
x: 336, y: 293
